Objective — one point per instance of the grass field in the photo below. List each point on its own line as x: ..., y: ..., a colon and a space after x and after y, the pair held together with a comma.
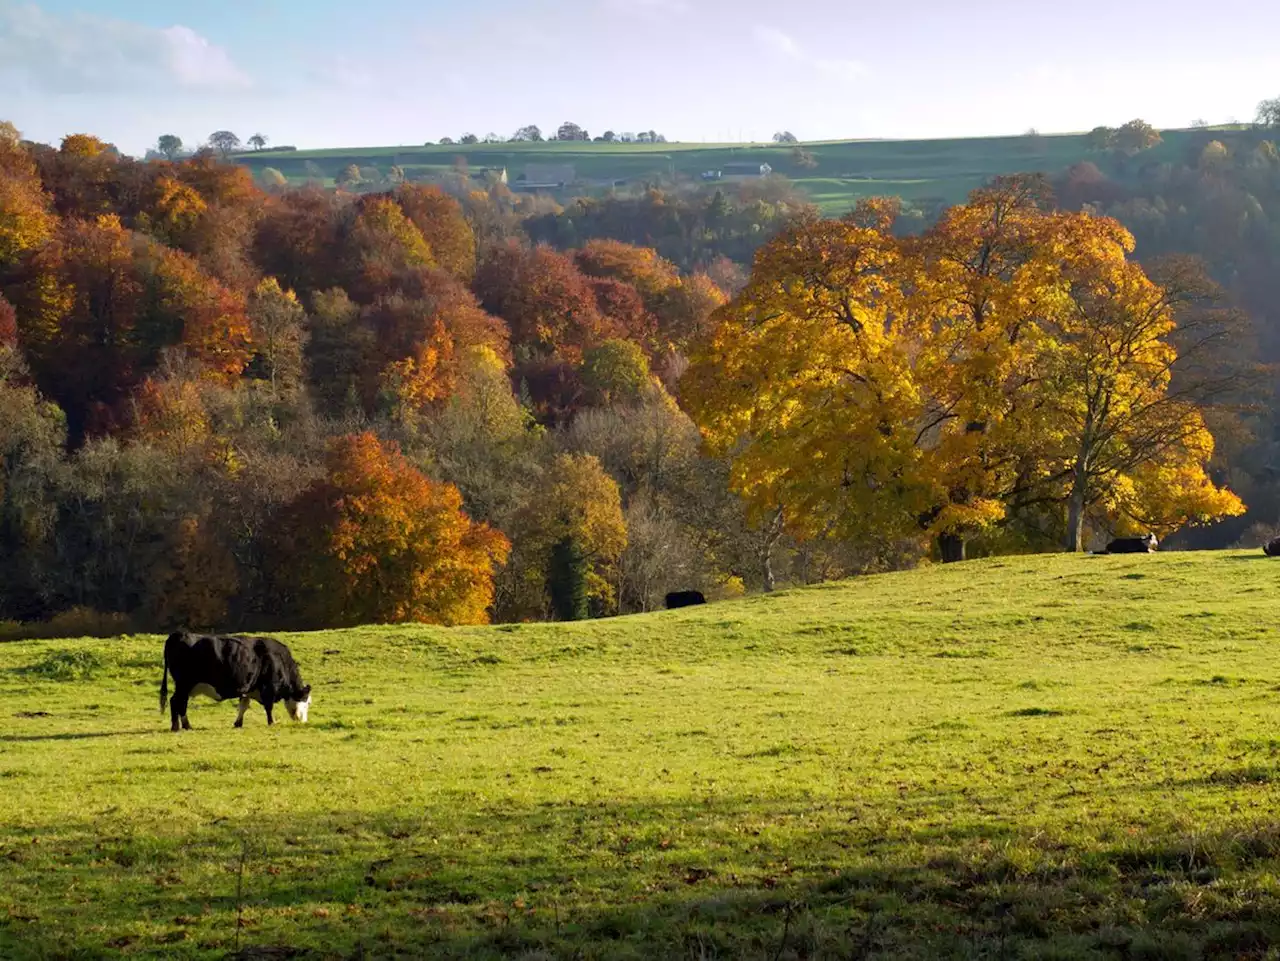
x: 1058, y: 757
x: 943, y: 170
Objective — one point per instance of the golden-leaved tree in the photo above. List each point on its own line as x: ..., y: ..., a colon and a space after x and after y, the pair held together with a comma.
x: 1127, y: 425
x: 377, y: 542
x: 882, y: 389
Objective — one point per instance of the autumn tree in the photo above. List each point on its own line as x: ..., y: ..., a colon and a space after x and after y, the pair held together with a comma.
x: 171, y: 211
x: 296, y: 240
x: 338, y: 352
x: 577, y: 515
x: 616, y: 372
x: 482, y: 441
x: 380, y: 242
x: 278, y: 329
x: 1127, y: 386
x: 413, y: 334
x: 26, y: 221
x: 817, y: 329
x: 443, y: 225
x: 1137, y: 136
x: 99, y: 305
x: 376, y: 542
x: 872, y: 387
x: 548, y: 304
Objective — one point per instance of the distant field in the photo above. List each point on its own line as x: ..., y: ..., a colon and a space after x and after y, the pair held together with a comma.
x: 944, y: 170
x: 1052, y: 757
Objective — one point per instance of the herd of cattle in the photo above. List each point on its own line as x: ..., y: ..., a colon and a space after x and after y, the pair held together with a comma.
x: 232, y: 666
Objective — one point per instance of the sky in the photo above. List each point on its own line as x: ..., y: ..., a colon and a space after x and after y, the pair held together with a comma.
x: 345, y: 73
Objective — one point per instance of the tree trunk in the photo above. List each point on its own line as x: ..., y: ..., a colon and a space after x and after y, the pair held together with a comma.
x: 772, y: 533
x: 1075, y: 513
x: 951, y: 547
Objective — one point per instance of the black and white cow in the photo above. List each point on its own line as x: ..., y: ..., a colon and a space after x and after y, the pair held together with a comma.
x: 223, y: 667
x: 1134, y: 545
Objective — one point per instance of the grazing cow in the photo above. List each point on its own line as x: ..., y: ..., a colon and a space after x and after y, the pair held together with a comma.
x: 1273, y: 547
x: 228, y: 666
x: 1134, y: 545
x: 684, y: 599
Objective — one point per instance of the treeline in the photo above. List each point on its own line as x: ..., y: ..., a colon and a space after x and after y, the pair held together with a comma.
x: 224, y: 406
x: 220, y: 406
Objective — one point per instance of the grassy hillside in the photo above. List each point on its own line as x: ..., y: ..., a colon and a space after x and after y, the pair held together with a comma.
x: 915, y: 170
x: 1059, y: 756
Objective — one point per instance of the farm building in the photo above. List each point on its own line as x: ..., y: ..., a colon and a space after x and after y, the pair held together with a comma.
x: 547, y: 176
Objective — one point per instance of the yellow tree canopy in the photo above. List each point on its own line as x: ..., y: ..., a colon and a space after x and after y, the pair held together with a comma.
x: 884, y: 388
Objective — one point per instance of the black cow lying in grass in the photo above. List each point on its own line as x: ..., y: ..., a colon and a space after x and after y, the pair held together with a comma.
x: 684, y: 599
x: 226, y: 666
x: 1134, y: 545
x: 1273, y: 547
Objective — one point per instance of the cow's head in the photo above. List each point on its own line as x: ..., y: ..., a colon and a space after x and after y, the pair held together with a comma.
x: 299, y: 704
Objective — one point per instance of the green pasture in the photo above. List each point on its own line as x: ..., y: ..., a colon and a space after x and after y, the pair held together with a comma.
x: 921, y: 170
x: 1050, y: 757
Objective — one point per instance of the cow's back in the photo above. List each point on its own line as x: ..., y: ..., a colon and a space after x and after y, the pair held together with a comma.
x: 226, y: 664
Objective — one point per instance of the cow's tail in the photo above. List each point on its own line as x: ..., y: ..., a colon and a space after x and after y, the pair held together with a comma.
x: 164, y: 681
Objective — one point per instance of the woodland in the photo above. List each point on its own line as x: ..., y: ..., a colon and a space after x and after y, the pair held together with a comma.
x: 224, y: 402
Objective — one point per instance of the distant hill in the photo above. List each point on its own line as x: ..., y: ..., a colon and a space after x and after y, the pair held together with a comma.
x: 917, y: 170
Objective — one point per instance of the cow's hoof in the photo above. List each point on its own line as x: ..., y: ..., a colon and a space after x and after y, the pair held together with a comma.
x: 238, y: 724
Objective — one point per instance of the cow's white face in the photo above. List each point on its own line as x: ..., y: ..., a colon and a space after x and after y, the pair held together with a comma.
x: 298, y: 709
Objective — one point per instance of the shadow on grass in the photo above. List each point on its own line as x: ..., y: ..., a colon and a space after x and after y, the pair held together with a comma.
x: 72, y: 736
x: 679, y: 880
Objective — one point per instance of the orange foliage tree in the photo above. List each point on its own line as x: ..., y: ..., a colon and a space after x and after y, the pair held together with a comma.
x: 444, y: 226
x: 381, y: 243
x: 99, y: 304
x: 376, y: 541
x: 25, y: 219
x: 548, y: 304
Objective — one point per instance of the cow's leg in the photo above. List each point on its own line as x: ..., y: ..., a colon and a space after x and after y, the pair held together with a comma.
x: 178, y: 709
x: 266, y: 706
x: 244, y: 706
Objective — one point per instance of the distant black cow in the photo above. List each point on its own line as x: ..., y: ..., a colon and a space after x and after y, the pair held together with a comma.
x: 684, y: 599
x: 1273, y: 547
x: 1134, y: 545
x: 227, y: 666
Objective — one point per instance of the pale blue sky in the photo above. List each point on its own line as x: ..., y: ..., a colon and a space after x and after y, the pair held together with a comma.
x: 330, y: 73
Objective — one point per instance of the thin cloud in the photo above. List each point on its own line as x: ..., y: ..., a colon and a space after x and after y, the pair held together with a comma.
x: 83, y: 54
x: 775, y: 40
x: 783, y: 44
